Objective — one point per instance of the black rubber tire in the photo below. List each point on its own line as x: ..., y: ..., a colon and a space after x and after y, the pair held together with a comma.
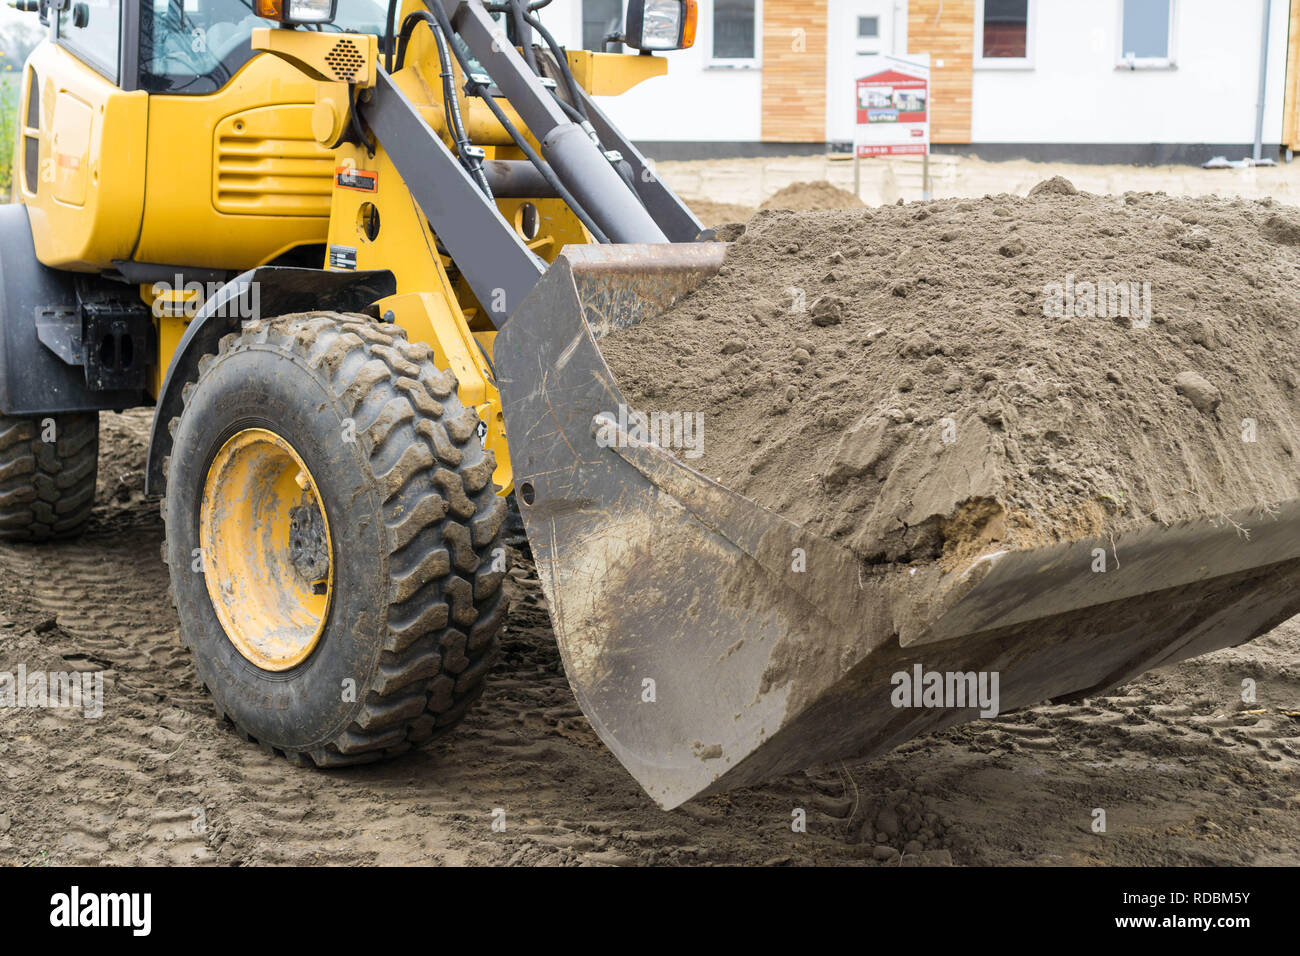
x: 47, y: 488
x: 413, y: 515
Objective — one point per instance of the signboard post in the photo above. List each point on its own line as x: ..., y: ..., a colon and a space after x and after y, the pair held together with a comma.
x: 892, y: 98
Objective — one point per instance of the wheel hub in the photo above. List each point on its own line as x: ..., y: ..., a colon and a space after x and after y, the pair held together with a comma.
x: 308, y: 549
x: 265, y: 544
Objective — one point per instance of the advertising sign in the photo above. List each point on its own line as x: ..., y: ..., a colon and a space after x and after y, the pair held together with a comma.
x: 893, y: 104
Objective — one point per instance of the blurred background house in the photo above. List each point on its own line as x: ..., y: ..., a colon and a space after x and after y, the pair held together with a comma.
x: 1148, y: 81
x: 1069, y: 81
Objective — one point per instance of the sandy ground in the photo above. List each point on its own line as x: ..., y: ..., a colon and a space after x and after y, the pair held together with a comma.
x: 1185, y: 772
x: 743, y: 184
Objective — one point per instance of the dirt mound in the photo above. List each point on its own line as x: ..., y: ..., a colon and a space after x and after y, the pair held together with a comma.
x: 718, y: 213
x: 1283, y: 229
x: 1057, y: 185
x: 920, y: 380
x: 805, y: 197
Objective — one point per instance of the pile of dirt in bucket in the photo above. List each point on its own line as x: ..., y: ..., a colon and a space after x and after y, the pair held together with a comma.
x: 921, y: 380
x: 806, y: 197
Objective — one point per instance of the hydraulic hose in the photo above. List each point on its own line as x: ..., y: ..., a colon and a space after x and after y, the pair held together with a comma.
x: 561, y: 64
x: 450, y: 98
x: 522, y: 34
x: 389, y: 39
x: 476, y: 89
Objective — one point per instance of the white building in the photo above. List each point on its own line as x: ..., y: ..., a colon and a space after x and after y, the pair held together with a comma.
x: 1137, y: 80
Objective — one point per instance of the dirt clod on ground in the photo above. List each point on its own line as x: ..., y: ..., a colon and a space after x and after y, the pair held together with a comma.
x: 917, y: 380
x: 804, y: 197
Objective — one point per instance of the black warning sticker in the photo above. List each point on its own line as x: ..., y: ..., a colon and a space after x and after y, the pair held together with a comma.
x: 362, y: 180
x: 343, y: 257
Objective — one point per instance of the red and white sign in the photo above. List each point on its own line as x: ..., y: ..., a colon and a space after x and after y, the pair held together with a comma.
x: 892, y: 94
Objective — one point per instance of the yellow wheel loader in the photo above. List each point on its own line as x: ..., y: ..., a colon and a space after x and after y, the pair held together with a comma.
x: 359, y: 261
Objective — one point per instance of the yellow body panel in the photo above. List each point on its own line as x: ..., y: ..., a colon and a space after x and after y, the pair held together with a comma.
x: 263, y: 165
x: 349, y: 58
x: 265, y: 187
x: 86, y: 205
x: 72, y: 123
x: 612, y: 74
x: 124, y: 184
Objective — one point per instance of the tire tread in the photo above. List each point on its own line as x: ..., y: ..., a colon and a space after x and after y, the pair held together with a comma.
x: 47, y: 489
x: 441, y: 515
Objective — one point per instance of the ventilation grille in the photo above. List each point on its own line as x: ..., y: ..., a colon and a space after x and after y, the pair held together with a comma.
x: 267, y: 163
x: 345, y: 60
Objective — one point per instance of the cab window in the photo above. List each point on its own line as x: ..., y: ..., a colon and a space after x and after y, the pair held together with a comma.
x: 196, y: 46
x: 91, y: 30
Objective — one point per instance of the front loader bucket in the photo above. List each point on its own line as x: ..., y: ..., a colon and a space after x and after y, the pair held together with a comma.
x: 713, y: 644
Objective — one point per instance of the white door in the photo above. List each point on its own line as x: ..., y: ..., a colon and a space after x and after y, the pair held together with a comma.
x: 854, y: 27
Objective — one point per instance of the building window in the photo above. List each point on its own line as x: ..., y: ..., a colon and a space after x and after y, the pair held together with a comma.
x: 735, y: 32
x: 1004, y: 34
x: 868, y: 28
x: 600, y: 18
x: 1146, y: 34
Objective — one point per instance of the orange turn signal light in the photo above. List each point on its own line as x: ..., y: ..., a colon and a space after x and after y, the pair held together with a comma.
x: 269, y: 9
x: 688, y: 28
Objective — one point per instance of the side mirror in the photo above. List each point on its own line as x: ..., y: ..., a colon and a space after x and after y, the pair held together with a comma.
x: 50, y: 9
x: 43, y: 7
x: 660, y: 24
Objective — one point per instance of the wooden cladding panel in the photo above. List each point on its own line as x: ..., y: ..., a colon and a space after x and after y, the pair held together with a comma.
x: 945, y: 29
x: 1291, y: 106
x: 794, y: 71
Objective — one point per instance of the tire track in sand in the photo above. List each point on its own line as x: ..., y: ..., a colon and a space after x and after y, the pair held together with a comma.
x: 1187, y: 773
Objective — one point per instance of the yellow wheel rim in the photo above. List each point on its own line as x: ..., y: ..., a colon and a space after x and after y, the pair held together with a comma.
x: 267, y: 555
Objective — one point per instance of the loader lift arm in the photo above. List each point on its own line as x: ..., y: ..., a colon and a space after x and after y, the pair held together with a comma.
x: 497, y: 264
x: 489, y: 253
x: 495, y: 261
